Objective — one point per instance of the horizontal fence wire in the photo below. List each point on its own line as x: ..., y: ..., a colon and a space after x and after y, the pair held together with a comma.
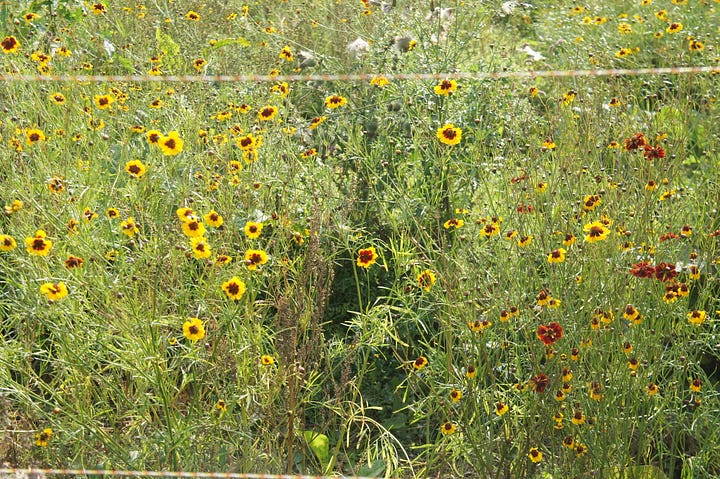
x: 11, y: 77
x: 33, y: 473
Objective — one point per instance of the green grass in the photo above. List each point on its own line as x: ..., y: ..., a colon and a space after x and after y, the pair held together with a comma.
x: 315, y: 368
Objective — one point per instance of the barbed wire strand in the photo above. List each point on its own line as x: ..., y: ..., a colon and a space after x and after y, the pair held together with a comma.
x: 10, y: 77
x: 33, y: 472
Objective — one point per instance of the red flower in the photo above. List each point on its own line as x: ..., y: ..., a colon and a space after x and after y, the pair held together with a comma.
x: 665, y: 271
x: 653, y: 153
x: 523, y: 208
x: 550, y: 333
x: 669, y: 236
x: 539, y: 383
x: 637, y: 141
x: 643, y: 269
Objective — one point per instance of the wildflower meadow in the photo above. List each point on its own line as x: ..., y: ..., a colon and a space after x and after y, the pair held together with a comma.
x: 405, y: 269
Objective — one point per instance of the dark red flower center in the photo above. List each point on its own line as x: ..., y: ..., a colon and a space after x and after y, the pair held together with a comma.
x: 366, y: 256
x: 9, y: 43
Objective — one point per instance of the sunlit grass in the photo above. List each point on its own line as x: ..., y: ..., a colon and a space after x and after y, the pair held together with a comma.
x: 387, y: 278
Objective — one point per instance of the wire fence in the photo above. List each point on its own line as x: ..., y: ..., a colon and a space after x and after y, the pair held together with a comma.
x: 10, y: 77
x: 33, y: 473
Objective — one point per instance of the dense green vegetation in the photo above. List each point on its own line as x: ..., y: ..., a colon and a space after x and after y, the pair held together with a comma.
x: 382, y: 277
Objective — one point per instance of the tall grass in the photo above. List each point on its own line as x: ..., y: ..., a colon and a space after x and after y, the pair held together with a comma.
x: 537, y: 299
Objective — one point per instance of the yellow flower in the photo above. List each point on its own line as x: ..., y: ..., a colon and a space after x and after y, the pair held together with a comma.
x: 54, y: 291
x: 535, y: 455
x: 569, y: 239
x: 286, y: 53
x: 103, y: 102
x: 367, y: 257
x: 578, y: 418
x: 199, y: 64
x: 693, y: 272
x: 446, y: 87
x: 557, y: 255
x: 335, y: 101
x: 454, y: 223
x: 315, y: 122
x: 33, y: 135
x: 38, y: 245
x: 420, y: 363
x: 7, y: 243
x: 129, y: 227
x: 186, y: 214
x: 193, y: 329
x: 455, y: 395
x: 524, y: 241
x: 200, y: 247
x: 13, y: 207
x: 135, y: 168
x: 234, y: 288
x: 449, y: 134
x: 249, y: 142
x: 253, y: 229
x: 652, y: 389
x: 57, y: 98
x: 623, y: 52
x: 448, y: 428
x: 696, y: 45
x: 220, y: 407
x: 42, y: 438
x: 379, y: 81
x: 266, y: 360
x: 255, y: 258
x: 153, y: 137
x: 696, y: 317
x: 193, y: 16
x: 171, y: 144
x: 267, y: 113
x: 426, y: 279
x: 213, y: 219
x: 281, y: 88
x: 9, y: 44
x: 193, y: 228
x: 596, y: 231
x: 674, y: 27
x: 222, y: 260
